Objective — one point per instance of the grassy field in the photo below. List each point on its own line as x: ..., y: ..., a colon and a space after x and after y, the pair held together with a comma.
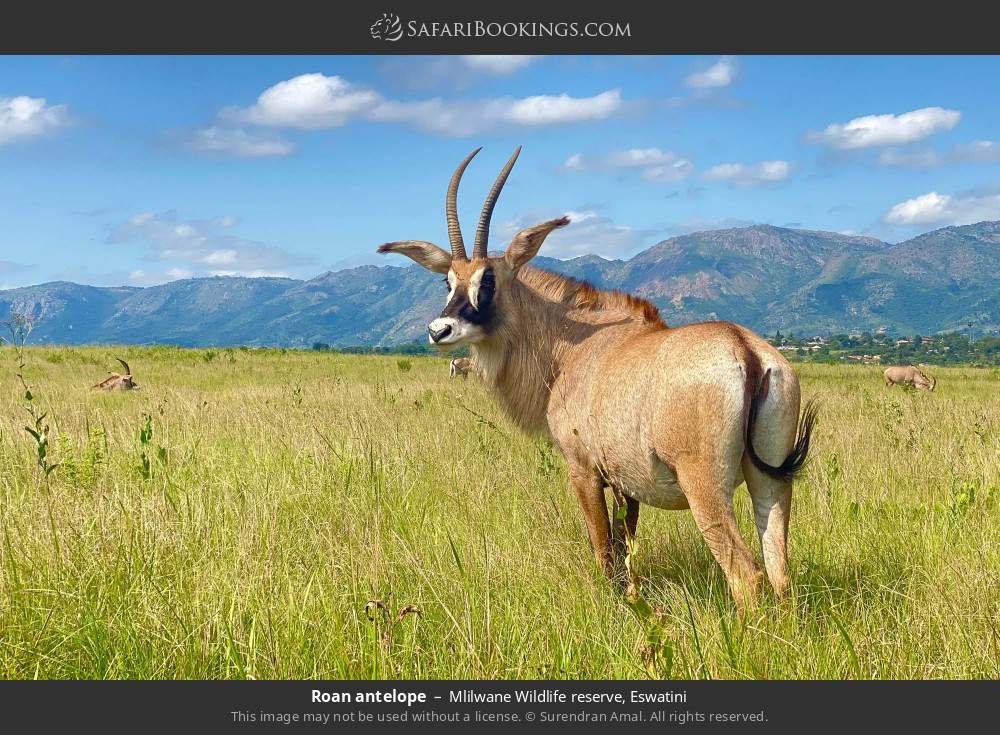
x: 234, y: 517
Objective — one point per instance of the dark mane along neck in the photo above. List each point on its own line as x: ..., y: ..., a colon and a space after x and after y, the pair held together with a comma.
x: 523, y: 356
x: 577, y: 294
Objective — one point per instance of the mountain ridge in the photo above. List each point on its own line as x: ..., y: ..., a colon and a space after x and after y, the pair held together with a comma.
x: 766, y: 277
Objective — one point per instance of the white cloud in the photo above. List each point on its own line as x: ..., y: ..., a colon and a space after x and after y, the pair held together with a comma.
x: 30, y: 117
x: 882, y: 130
x: 755, y: 174
x: 141, y: 218
x: 221, y: 257
x: 641, y: 158
x: 588, y: 233
x: 315, y: 101
x: 307, y: 102
x: 944, y: 209
x: 460, y: 118
x: 652, y: 163
x: 144, y: 277
x: 670, y: 173
x: 720, y: 74
x: 913, y: 158
x: 978, y: 151
x: 198, y: 248
x: 255, y: 273
x: 237, y: 143
x: 553, y: 109
x: 579, y: 217
x: 497, y: 63
x: 575, y: 163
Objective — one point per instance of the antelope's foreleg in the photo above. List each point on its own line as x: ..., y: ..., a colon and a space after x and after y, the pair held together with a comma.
x: 590, y: 492
x: 622, y: 528
x: 622, y: 533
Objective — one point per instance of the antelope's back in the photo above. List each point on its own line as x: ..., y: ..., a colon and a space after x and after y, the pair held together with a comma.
x: 634, y: 389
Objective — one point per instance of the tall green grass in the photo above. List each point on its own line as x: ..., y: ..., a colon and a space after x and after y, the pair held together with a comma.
x: 236, y: 516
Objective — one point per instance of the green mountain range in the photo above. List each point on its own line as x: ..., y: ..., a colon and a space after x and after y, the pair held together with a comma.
x: 767, y: 278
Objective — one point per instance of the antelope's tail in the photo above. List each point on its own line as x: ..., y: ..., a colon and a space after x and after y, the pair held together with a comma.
x: 796, y: 459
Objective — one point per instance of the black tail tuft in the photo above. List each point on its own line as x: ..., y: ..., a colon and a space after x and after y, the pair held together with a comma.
x: 795, y: 461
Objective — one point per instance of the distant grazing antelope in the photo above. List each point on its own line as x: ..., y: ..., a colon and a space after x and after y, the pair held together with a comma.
x: 909, y: 375
x: 671, y: 417
x: 461, y: 366
x: 117, y: 381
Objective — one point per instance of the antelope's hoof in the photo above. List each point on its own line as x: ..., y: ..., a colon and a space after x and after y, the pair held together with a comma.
x: 747, y: 595
x: 631, y: 590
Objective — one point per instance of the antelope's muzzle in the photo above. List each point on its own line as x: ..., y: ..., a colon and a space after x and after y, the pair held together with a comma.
x: 439, y: 331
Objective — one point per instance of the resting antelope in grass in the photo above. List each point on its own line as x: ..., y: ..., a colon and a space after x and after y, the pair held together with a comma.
x: 117, y: 381
x: 460, y: 366
x: 672, y: 417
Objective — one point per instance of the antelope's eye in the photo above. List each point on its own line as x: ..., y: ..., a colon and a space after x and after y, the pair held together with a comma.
x: 487, y: 287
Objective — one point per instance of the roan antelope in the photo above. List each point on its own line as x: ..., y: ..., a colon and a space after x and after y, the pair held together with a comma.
x: 909, y: 375
x: 672, y: 417
x: 460, y: 366
x: 117, y: 381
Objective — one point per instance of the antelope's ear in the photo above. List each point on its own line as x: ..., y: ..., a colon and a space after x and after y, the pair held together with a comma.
x: 427, y: 254
x: 526, y: 243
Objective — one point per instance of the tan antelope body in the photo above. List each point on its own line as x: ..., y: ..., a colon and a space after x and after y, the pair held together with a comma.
x: 909, y: 375
x: 118, y: 381
x: 671, y: 417
x: 460, y: 366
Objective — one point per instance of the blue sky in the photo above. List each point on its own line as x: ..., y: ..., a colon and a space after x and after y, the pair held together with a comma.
x: 140, y: 170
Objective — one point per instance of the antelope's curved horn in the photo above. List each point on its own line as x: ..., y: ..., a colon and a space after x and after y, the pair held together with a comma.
x: 451, y: 210
x: 483, y: 230
x: 128, y: 370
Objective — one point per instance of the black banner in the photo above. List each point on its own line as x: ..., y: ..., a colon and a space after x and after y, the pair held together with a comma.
x: 396, y: 27
x: 457, y: 706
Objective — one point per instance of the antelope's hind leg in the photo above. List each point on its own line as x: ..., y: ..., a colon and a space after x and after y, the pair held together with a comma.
x: 712, y: 507
x: 772, y: 506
